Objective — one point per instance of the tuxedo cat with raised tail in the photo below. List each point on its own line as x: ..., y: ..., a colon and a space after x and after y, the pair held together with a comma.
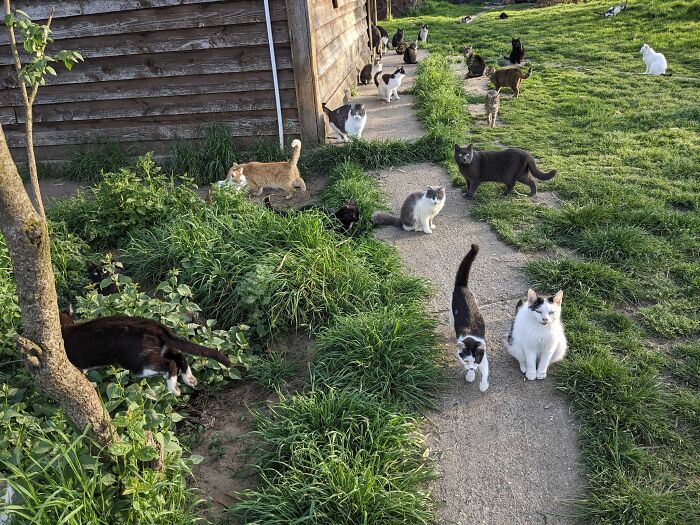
x: 466, y: 319
x: 142, y: 346
x: 347, y: 121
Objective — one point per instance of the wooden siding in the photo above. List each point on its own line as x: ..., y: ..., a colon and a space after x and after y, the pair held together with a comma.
x: 154, y: 70
x: 341, y: 45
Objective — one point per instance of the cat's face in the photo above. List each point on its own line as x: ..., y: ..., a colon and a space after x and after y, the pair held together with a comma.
x: 644, y: 49
x: 544, y: 310
x: 492, y: 95
x: 424, y: 27
x: 435, y: 195
x: 515, y: 42
x: 400, y: 72
x: 413, y: 45
x: 470, y: 352
x: 96, y: 273
x: 66, y: 317
x: 235, y: 175
x: 489, y: 71
x: 399, y: 32
x: 348, y: 214
x: 357, y: 111
x: 464, y: 155
x: 468, y: 51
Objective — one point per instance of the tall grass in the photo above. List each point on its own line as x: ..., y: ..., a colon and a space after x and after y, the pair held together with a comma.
x: 338, y: 457
x: 102, y: 157
x: 391, y: 353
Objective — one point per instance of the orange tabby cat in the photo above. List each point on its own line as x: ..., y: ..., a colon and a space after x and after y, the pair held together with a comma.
x: 278, y: 175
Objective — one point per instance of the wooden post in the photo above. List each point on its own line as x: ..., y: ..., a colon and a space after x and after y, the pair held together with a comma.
x: 303, y: 43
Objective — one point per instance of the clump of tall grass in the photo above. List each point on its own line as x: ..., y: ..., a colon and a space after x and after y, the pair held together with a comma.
x: 338, y: 457
x: 249, y: 265
x: 207, y: 160
x: 104, y: 156
x: 391, y: 353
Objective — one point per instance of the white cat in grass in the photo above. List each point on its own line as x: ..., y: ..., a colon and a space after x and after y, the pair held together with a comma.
x: 537, y: 337
x: 655, y: 62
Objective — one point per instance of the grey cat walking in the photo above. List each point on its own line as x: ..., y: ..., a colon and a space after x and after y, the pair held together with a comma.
x: 507, y: 166
x: 493, y: 103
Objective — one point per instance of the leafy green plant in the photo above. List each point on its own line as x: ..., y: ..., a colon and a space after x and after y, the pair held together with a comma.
x: 338, y: 458
x: 124, y: 202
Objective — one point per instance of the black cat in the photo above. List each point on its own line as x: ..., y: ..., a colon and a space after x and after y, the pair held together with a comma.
x: 397, y: 38
x: 97, y: 274
x: 347, y: 215
x: 517, y: 54
x: 142, y: 346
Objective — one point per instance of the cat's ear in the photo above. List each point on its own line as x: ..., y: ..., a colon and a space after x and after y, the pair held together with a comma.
x: 531, y: 296
x: 470, y: 148
x: 457, y: 148
x: 558, y: 297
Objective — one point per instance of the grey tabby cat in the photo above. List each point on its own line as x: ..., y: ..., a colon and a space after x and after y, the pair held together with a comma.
x: 493, y: 102
x: 349, y: 119
x: 417, y: 213
x: 508, y: 166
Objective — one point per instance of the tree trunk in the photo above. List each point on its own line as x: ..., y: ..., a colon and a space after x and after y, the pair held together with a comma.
x: 31, y: 161
x: 41, y: 345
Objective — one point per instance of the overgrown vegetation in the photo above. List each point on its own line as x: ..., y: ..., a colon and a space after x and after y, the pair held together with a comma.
x: 142, y: 478
x: 89, y: 166
x: 338, y: 457
x: 630, y: 213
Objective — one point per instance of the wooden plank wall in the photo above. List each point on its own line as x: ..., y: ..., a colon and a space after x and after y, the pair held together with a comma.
x: 341, y: 45
x: 154, y: 70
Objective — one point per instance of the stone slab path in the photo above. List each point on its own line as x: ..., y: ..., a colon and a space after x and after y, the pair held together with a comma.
x: 508, y: 456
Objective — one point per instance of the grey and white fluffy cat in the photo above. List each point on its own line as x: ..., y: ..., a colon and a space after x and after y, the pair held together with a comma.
x: 537, y: 337
x: 507, y: 166
x: 466, y: 319
x: 423, y: 33
x: 417, y: 213
x: 348, y: 120
x: 493, y: 102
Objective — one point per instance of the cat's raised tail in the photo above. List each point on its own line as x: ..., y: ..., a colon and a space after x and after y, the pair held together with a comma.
x: 536, y: 171
x: 173, y: 340
x: 462, y: 277
x: 296, y: 153
x: 380, y: 218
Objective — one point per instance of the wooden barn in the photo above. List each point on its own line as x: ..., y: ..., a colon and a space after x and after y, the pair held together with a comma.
x: 157, y: 70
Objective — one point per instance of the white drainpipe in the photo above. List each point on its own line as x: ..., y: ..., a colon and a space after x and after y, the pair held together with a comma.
x: 273, y: 61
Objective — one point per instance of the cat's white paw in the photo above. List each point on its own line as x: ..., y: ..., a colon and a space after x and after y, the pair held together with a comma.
x: 470, y: 376
x: 531, y: 375
x: 523, y: 368
x: 541, y: 375
x: 189, y: 379
x: 484, y: 386
x: 427, y: 230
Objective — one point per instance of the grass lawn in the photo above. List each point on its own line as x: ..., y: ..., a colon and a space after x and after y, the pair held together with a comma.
x: 627, y: 150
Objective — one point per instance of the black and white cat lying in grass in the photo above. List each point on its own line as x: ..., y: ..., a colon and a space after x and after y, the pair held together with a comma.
x: 418, y: 211
x: 388, y: 84
x: 466, y: 319
x: 347, y: 121
x: 537, y: 337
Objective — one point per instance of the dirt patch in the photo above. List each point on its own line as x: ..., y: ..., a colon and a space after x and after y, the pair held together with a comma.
x: 226, y: 420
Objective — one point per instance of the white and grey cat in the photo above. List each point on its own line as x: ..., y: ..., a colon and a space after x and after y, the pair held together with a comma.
x: 348, y: 120
x: 417, y: 213
x: 537, y: 336
x: 655, y: 62
x: 466, y: 319
x: 423, y: 33
x: 388, y: 84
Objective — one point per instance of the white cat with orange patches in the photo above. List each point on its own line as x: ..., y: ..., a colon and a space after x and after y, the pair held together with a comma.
x: 274, y: 175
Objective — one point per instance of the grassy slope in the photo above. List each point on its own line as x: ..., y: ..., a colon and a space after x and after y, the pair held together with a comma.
x: 628, y: 153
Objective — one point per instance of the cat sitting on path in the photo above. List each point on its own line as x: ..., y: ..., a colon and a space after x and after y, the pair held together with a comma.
x: 537, y: 336
x: 388, y: 84
x: 417, y: 213
x: 507, y: 166
x: 347, y: 121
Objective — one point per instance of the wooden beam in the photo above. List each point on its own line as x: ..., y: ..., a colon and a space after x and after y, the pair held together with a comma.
x: 306, y: 79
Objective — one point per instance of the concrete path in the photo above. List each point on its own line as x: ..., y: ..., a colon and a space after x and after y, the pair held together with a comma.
x: 508, y: 456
